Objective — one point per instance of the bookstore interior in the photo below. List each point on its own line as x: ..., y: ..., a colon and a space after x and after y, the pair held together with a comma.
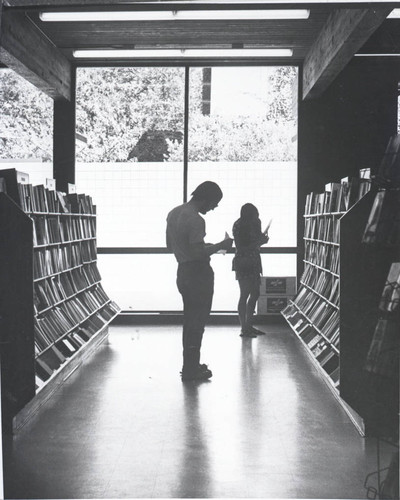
x: 341, y: 298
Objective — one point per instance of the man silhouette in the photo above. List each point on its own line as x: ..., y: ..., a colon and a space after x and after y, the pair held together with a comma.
x: 186, y: 230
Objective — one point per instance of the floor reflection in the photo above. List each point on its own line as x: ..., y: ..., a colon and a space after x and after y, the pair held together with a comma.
x: 195, y: 477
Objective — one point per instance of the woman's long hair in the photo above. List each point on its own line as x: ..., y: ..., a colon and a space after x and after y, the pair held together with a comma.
x: 249, y: 222
x: 248, y: 212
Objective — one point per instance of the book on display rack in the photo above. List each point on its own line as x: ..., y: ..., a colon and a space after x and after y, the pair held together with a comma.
x: 383, y: 230
x: 313, y: 313
x: 70, y: 305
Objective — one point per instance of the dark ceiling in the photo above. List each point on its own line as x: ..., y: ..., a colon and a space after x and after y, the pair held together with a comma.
x: 322, y: 45
x: 296, y: 34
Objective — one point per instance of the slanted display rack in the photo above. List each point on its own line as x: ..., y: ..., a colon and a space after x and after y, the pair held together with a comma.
x: 380, y: 395
x: 335, y: 290
x: 57, y: 295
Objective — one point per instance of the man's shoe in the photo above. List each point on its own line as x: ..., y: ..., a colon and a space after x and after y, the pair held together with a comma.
x: 256, y: 331
x: 202, y: 373
x: 248, y: 333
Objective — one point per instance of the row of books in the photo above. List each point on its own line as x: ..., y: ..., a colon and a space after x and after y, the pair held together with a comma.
x: 389, y: 170
x: 56, y: 289
x: 323, y: 283
x: 322, y: 350
x: 50, y: 229
x: 57, y: 321
x: 325, y: 256
x: 326, y: 202
x: 56, y: 354
x: 383, y: 229
x: 321, y: 314
x: 339, y: 196
x: 70, y: 304
x: 390, y: 299
x: 41, y: 199
x: 325, y: 228
x: 53, y: 260
x: 383, y: 354
x: 383, y: 225
x: 77, y: 228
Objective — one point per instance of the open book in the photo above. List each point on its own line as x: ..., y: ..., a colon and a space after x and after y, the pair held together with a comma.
x: 223, y: 252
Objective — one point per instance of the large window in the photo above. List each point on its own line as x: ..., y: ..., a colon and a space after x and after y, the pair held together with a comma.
x: 26, y: 128
x: 241, y: 134
x: 132, y: 119
x: 133, y: 157
x: 246, y: 143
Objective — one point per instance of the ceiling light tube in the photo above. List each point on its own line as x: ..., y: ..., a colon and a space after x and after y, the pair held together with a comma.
x: 377, y: 55
x: 179, y: 53
x: 178, y: 15
x: 395, y: 14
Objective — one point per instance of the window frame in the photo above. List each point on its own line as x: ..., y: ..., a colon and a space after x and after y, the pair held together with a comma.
x: 163, y: 250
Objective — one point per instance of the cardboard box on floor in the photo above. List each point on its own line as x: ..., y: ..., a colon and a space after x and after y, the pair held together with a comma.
x: 271, y: 305
x: 275, y: 293
x: 278, y: 285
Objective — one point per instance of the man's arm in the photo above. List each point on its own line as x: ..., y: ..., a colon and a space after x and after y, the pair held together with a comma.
x: 202, y: 250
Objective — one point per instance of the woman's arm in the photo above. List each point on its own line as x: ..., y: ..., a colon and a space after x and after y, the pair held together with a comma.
x: 250, y: 241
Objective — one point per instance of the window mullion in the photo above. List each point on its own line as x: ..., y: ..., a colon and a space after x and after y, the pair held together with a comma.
x: 186, y: 136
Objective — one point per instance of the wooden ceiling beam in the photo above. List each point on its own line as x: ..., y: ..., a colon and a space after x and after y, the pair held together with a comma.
x: 344, y: 33
x: 29, y: 53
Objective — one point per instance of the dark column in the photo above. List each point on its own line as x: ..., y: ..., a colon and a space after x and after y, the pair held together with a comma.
x: 64, y: 139
x: 347, y: 128
x: 206, y: 92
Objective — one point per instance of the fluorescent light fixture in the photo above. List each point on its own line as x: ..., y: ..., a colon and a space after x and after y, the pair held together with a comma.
x: 263, y: 2
x: 179, y: 53
x: 395, y: 14
x: 177, y: 15
x: 377, y: 55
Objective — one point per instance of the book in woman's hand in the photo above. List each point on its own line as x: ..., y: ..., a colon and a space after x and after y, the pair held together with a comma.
x: 268, y: 226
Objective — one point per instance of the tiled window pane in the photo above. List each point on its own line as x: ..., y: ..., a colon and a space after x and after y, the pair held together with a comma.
x: 133, y: 125
x: 148, y: 282
x: 245, y: 140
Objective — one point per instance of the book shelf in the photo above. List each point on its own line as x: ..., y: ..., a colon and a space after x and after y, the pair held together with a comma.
x: 381, y: 364
x: 59, y: 298
x: 315, y: 315
x: 335, y: 311
x: 16, y: 313
x: 363, y: 272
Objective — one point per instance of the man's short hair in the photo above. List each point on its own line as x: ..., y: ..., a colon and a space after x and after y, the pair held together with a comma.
x: 207, y: 191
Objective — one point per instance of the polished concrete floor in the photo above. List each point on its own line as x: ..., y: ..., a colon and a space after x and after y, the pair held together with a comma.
x: 125, y: 426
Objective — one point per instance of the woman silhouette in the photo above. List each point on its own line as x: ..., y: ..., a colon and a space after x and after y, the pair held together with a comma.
x: 247, y: 265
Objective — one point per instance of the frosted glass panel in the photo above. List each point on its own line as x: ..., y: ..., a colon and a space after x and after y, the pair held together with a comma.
x: 148, y: 282
x: 132, y: 199
x: 132, y: 160
x: 245, y: 139
x: 270, y: 186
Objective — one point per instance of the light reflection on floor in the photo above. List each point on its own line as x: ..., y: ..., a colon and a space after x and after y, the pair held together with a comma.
x: 124, y: 425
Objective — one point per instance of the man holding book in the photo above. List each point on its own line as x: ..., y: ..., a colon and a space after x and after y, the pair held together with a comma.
x: 195, y: 278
